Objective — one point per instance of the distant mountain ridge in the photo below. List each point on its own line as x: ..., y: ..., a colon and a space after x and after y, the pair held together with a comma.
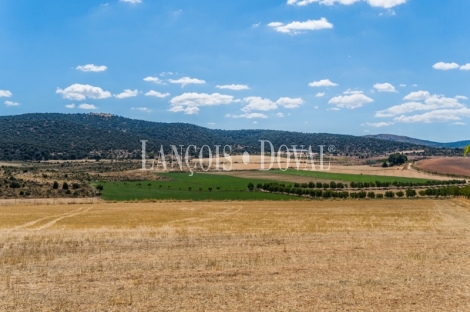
x: 50, y: 136
x: 405, y: 139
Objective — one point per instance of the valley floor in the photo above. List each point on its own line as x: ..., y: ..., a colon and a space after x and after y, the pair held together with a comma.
x: 410, y: 255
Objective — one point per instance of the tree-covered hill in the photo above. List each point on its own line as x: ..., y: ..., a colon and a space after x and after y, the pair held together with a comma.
x: 78, y: 136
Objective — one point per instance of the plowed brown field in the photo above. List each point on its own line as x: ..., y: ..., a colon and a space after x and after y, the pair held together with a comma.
x: 382, y: 255
x: 456, y: 166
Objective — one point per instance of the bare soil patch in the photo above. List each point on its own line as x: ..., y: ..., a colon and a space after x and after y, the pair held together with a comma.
x: 408, y: 255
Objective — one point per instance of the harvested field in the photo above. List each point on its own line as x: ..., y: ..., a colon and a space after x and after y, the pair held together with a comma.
x: 453, y: 166
x: 246, y: 256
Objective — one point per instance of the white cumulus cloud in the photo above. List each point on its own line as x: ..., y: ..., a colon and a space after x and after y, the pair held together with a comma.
x: 432, y: 103
x: 189, y: 102
x: 80, y: 92
x: 91, y: 68
x: 445, y: 66
x: 350, y: 101
x: 417, y: 96
x: 70, y: 106
x: 465, y: 67
x: 322, y: 83
x: 385, y: 87
x: 459, y: 123
x: 127, y: 94
x: 186, y: 80
x: 299, y: 27
x: 10, y: 103
x: 349, y: 91
x: 153, y: 79
x: 247, y: 115
x: 235, y: 87
x: 5, y: 93
x: 87, y: 106
x: 461, y: 97
x: 320, y: 94
x: 386, y: 4
x: 260, y: 104
x: 378, y: 124
x: 157, y: 94
x: 280, y: 115
x: 131, y: 1
x: 436, y: 116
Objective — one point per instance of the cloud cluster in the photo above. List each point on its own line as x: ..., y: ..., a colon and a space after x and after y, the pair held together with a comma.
x: 10, y: 103
x: 80, y: 92
x: 186, y: 80
x: 131, y: 1
x: 256, y: 103
x: 234, y: 87
x: 91, y: 68
x: 450, y: 66
x: 384, y: 87
x: 127, y: 94
x: 300, y: 27
x: 247, y: 115
x: 153, y: 79
x: 189, y: 103
x: 436, y: 108
x: 386, y: 4
x: 5, y: 93
x: 352, y: 101
x: 157, y: 94
x: 322, y: 83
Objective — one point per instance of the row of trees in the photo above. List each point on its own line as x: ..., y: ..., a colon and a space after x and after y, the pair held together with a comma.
x: 328, y: 193
x: 334, y: 185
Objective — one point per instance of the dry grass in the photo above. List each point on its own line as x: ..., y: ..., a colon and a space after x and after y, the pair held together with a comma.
x: 247, y: 256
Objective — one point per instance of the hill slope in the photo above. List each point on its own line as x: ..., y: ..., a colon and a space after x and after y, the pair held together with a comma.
x: 405, y: 139
x: 78, y: 136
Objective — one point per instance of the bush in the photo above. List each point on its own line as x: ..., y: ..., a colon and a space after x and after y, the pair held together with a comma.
x: 15, y: 184
x: 65, y: 186
x: 400, y: 194
x: 410, y: 193
x: 380, y: 195
x: 55, y: 186
x: 76, y: 186
x: 371, y: 195
x: 389, y: 194
x: 251, y: 186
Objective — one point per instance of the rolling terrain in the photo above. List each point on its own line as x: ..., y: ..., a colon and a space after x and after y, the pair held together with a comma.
x: 89, y: 136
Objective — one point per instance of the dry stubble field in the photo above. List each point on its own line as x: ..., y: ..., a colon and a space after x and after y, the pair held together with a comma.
x: 408, y: 255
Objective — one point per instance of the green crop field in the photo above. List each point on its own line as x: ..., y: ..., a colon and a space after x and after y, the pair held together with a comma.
x: 183, y: 187
x: 347, y: 177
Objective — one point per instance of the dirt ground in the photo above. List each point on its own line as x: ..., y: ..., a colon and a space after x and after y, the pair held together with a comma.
x: 378, y: 255
x: 456, y: 166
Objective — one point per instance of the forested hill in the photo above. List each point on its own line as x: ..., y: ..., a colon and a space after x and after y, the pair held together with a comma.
x: 405, y: 139
x: 78, y: 136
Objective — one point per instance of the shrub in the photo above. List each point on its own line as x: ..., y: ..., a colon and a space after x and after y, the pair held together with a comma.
x: 400, y: 194
x: 371, y: 195
x: 75, y: 186
x: 380, y: 195
x: 55, y: 186
x: 410, y: 193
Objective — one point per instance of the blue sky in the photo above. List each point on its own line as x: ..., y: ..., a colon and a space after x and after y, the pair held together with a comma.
x: 339, y: 66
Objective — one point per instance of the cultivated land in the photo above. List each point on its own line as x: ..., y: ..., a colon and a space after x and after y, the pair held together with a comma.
x: 451, y: 166
x: 408, y: 255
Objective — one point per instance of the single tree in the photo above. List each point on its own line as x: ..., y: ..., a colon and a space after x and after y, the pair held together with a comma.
x: 466, y: 151
x: 55, y: 186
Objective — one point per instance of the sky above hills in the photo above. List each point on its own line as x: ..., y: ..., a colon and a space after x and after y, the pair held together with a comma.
x: 339, y: 66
